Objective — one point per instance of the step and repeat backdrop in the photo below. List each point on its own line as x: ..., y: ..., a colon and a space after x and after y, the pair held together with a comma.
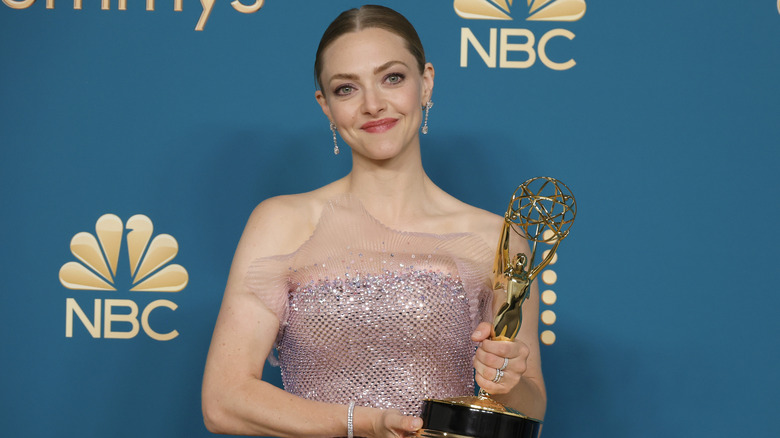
x: 136, y: 137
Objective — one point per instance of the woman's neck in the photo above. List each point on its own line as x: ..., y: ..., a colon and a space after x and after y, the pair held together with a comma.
x: 394, y: 191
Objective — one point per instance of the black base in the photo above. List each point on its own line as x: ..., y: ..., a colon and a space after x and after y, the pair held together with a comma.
x: 468, y: 421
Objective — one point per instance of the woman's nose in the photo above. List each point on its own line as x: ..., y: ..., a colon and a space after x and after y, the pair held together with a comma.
x: 373, y: 102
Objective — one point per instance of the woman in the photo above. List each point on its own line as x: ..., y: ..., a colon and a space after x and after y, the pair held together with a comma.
x: 373, y: 288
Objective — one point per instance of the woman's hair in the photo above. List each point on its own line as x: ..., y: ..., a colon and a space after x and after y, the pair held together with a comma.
x: 370, y: 16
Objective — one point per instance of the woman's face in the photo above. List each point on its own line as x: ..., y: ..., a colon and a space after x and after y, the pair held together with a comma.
x: 373, y: 91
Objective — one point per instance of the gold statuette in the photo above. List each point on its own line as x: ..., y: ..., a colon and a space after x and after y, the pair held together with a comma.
x: 542, y: 210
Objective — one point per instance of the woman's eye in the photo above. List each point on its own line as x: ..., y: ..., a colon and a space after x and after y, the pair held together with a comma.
x: 395, y: 78
x: 343, y: 90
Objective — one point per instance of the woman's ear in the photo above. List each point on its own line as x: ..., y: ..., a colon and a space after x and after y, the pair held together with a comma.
x: 320, y: 96
x: 428, y: 74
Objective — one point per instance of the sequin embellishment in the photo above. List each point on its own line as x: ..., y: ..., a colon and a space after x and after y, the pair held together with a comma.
x: 393, y: 339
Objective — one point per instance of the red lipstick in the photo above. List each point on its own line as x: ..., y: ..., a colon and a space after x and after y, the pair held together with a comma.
x: 381, y: 125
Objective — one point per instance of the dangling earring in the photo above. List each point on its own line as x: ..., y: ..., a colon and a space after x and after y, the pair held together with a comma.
x: 427, y: 107
x: 335, y: 142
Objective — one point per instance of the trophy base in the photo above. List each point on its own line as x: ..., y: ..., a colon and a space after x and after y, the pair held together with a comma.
x: 475, y: 417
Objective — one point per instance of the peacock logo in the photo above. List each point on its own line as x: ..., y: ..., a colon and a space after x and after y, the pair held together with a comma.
x: 99, y: 257
x: 96, y: 270
x: 538, y: 10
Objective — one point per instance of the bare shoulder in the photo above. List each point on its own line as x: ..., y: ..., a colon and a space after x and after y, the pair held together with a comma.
x: 474, y: 220
x: 486, y: 225
x: 281, y: 224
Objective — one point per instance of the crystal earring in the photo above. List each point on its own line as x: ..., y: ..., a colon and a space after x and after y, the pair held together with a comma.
x: 428, y: 105
x: 335, y: 142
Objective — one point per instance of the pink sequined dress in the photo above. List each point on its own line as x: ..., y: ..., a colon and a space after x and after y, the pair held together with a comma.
x: 375, y: 315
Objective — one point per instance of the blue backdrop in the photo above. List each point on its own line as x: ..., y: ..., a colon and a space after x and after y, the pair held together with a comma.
x: 666, y: 129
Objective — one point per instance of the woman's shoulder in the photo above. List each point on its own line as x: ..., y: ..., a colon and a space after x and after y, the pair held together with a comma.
x: 469, y: 218
x: 461, y: 217
x: 481, y: 222
x: 281, y: 224
x: 480, y: 218
x: 488, y: 226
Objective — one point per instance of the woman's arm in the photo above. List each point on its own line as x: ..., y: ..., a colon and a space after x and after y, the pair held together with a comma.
x: 235, y: 399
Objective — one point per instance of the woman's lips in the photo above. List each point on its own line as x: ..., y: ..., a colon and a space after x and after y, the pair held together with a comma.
x: 377, y: 126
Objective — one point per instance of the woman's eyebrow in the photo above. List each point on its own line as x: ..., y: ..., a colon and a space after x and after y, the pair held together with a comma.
x: 354, y: 77
x: 387, y: 65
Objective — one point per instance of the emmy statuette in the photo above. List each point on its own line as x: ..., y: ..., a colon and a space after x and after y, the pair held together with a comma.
x: 542, y: 210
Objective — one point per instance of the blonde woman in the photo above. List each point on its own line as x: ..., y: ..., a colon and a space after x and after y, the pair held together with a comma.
x: 374, y: 289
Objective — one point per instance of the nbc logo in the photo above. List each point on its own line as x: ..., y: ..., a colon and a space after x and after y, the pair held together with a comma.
x: 501, y: 47
x: 538, y: 10
x: 97, y: 268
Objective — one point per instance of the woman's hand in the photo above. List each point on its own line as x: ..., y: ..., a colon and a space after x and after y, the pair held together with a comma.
x: 384, y: 423
x: 495, y: 357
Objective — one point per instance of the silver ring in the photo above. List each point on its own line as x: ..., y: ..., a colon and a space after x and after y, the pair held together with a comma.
x: 506, y: 362
x: 499, y: 375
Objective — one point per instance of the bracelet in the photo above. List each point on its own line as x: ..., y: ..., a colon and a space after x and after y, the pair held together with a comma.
x: 350, y: 414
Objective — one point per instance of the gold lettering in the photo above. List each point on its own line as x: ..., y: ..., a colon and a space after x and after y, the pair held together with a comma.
x: 19, y: 4
x: 145, y: 320
x: 207, y: 5
x: 466, y: 37
x: 76, y: 4
x: 110, y: 318
x: 149, y: 5
x: 178, y: 6
x: 527, y: 47
x: 543, y: 49
x: 104, y: 4
x: 72, y: 306
x: 240, y: 7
